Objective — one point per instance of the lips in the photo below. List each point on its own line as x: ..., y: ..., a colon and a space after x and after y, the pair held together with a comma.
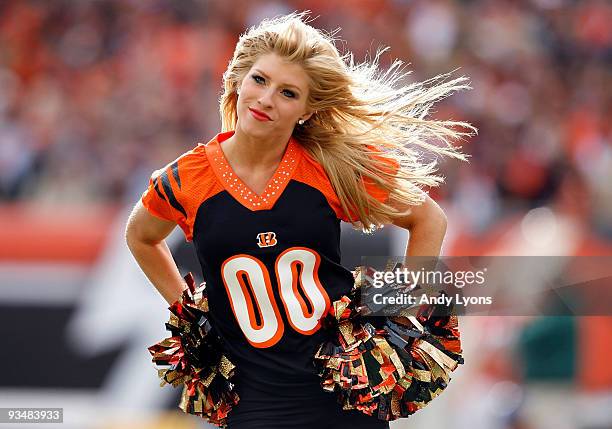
x: 261, y: 116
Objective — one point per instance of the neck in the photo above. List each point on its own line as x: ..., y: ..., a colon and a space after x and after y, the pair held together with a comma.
x: 255, y: 152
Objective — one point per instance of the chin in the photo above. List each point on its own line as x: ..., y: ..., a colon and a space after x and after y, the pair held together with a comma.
x: 252, y: 130
x: 254, y: 127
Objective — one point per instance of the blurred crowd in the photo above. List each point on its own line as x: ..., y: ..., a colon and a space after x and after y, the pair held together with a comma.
x: 96, y: 93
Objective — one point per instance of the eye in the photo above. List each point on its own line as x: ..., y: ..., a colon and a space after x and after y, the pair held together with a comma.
x: 258, y: 79
x: 289, y: 94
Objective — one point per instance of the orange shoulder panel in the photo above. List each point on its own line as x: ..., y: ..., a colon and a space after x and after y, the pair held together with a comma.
x: 312, y: 173
x: 177, y: 190
x: 388, y: 165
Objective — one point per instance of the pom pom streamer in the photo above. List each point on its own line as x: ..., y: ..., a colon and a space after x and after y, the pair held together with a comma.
x: 388, y: 367
x: 193, y: 357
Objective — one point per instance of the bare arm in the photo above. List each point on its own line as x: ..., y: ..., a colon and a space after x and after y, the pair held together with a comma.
x: 145, y: 236
x: 427, y: 227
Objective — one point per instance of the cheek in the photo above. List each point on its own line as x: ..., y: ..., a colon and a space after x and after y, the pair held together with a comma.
x: 292, y: 109
x: 245, y: 90
x: 249, y: 88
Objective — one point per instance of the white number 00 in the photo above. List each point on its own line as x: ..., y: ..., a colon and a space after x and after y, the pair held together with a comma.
x: 269, y: 330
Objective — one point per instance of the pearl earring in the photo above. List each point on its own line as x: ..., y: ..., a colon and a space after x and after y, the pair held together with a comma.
x: 301, y: 122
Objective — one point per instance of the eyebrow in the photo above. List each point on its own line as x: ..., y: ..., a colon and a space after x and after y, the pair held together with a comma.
x: 282, y: 84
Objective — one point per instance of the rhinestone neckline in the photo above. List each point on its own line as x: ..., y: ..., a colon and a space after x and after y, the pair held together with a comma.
x: 241, y: 192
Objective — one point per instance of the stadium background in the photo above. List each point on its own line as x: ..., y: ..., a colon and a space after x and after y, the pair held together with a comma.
x: 95, y: 95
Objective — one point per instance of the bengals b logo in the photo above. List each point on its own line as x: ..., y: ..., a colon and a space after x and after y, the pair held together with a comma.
x: 266, y: 239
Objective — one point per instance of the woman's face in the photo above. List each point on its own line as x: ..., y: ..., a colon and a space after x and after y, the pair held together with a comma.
x: 273, y: 97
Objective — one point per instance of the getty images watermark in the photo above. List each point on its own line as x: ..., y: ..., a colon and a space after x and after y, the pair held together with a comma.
x: 406, y: 280
x: 488, y: 285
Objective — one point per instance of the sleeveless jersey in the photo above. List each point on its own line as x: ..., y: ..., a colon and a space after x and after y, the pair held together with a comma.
x: 272, y: 267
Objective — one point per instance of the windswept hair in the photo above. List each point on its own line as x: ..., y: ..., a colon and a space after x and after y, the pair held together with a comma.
x: 366, y: 122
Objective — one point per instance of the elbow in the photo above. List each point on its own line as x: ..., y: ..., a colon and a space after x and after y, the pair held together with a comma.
x: 441, y: 219
x: 428, y: 216
x: 130, y: 235
x: 435, y: 223
x: 425, y: 216
x: 443, y: 225
x: 133, y: 231
x: 436, y: 220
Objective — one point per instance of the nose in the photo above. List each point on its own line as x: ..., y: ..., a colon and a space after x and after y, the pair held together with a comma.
x: 265, y: 98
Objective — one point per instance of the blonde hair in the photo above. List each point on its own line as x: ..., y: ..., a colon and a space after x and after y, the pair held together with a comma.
x: 364, y: 120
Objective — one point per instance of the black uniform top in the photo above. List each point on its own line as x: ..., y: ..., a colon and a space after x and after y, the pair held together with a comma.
x: 272, y: 267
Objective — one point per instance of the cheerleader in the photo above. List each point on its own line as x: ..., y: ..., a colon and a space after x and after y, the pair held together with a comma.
x: 309, y: 139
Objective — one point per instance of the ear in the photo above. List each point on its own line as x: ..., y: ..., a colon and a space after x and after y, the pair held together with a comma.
x: 306, y: 116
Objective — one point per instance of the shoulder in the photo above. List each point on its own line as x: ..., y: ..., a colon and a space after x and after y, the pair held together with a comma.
x: 186, y: 170
x: 176, y: 190
x: 310, y: 172
x: 195, y: 157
